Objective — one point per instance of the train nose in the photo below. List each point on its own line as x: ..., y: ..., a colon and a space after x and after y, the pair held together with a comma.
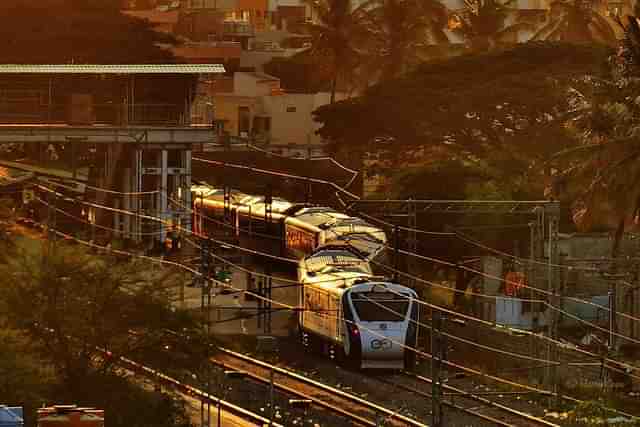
x: 382, y: 341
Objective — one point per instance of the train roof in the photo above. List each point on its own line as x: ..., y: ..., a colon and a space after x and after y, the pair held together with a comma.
x: 332, y: 260
x: 337, y: 281
x: 320, y: 216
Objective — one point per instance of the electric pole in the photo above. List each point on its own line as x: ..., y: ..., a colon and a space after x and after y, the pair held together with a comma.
x: 205, y: 307
x: 437, y: 355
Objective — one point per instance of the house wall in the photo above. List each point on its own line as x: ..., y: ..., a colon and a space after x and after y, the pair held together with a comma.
x: 226, y: 109
x: 291, y: 118
x: 254, y: 84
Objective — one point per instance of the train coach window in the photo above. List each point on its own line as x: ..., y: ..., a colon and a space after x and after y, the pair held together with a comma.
x: 369, y: 310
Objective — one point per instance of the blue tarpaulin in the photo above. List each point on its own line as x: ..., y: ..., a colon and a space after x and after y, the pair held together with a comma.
x: 11, y: 416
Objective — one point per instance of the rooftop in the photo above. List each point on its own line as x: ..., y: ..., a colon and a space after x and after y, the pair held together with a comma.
x: 111, y: 68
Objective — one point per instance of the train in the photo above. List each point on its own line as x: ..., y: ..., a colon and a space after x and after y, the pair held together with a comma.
x: 347, y: 312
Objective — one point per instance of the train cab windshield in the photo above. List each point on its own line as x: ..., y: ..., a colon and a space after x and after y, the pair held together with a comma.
x: 380, y: 306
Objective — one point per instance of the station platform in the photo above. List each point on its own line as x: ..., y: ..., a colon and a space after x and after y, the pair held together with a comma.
x: 235, y: 312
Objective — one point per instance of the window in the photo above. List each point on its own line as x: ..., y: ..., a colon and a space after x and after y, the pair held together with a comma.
x: 244, y: 120
x: 380, y: 307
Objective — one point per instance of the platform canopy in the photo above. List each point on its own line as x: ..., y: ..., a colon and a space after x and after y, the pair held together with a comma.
x: 111, y: 69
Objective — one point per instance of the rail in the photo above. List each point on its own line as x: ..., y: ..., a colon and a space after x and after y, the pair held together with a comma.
x: 521, y: 415
x: 328, y: 391
x: 192, y: 391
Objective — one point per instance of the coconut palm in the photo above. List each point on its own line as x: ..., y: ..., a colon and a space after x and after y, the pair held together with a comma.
x: 335, y: 34
x: 483, y: 23
x: 399, y: 31
x: 576, y: 21
x: 603, y: 171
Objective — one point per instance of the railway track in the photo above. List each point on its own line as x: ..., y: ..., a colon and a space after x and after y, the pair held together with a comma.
x: 193, y: 392
x: 356, y: 409
x: 474, y: 404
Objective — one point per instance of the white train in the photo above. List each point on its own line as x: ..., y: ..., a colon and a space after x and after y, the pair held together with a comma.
x: 348, y: 313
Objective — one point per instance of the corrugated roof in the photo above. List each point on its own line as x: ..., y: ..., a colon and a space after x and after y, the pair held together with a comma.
x: 112, y: 68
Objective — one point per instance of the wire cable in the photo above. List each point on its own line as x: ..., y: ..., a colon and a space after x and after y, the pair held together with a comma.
x: 373, y: 332
x: 416, y: 278
x: 280, y: 174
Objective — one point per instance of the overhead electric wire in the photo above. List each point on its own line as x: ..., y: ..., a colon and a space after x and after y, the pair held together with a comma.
x: 222, y: 223
x: 115, y: 230
x: 170, y: 225
x: 406, y: 274
x: 102, y: 190
x: 392, y: 226
x: 331, y: 159
x: 280, y: 174
x: 288, y: 306
x: 502, y: 279
x: 492, y: 325
x: 586, y: 322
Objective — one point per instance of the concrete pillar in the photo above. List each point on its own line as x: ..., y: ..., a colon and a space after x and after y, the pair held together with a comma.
x: 186, y: 191
x: 163, y: 208
x: 127, y: 202
x: 138, y: 200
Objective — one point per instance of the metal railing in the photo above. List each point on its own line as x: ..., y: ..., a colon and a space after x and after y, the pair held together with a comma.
x: 91, y: 114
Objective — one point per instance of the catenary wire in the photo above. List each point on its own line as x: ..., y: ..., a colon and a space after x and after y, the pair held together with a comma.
x: 417, y: 351
x: 416, y: 278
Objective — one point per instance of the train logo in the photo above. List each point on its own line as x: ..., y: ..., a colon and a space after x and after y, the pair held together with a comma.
x: 383, y: 344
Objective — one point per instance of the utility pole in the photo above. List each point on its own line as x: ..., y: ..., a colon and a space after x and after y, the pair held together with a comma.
x: 437, y: 354
x: 555, y: 299
x: 396, y: 254
x: 51, y: 223
x: 205, y: 307
x: 267, y: 302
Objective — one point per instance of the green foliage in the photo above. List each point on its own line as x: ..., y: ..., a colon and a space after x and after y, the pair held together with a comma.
x: 576, y: 21
x: 23, y: 375
x: 399, y: 33
x: 71, y: 304
x: 502, y: 111
x: 600, y: 172
x: 126, y: 403
x: 299, y: 74
x: 482, y: 23
x: 79, y: 31
x: 58, y: 309
x: 335, y: 38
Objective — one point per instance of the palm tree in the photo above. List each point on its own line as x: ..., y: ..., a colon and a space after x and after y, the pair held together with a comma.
x: 482, y: 23
x: 602, y: 172
x: 398, y: 31
x: 335, y: 36
x: 576, y: 21
x: 604, y: 168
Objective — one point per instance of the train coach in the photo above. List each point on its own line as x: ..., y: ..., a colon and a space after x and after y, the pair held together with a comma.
x: 300, y: 228
x: 351, y: 315
x: 347, y: 312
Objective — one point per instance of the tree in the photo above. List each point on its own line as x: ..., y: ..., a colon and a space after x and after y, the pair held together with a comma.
x: 576, y: 21
x: 299, y: 73
x: 23, y: 375
x: 335, y: 37
x: 79, y: 31
x: 74, y: 305
x: 398, y: 33
x: 600, y: 171
x: 502, y: 111
x: 482, y: 23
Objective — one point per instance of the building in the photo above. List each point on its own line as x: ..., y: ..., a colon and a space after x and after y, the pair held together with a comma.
x: 70, y: 416
x: 11, y: 416
x: 259, y: 109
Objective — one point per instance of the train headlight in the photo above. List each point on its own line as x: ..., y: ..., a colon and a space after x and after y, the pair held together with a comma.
x: 353, y: 330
